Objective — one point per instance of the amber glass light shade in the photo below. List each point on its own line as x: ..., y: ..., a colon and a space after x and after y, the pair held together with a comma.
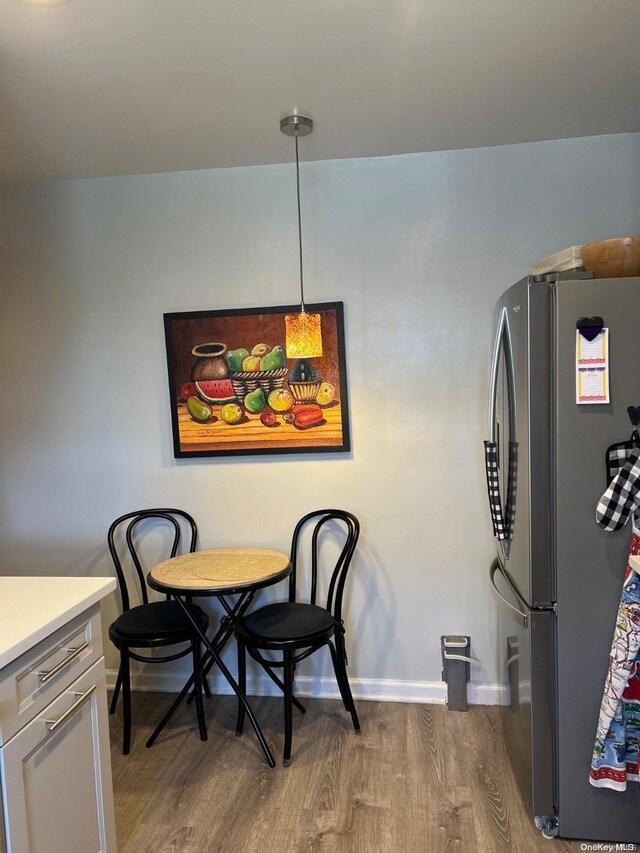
x: 303, y: 335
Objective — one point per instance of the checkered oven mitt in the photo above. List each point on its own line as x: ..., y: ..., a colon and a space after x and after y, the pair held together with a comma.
x: 502, y: 518
x: 493, y: 488
x: 617, y: 454
x: 623, y: 495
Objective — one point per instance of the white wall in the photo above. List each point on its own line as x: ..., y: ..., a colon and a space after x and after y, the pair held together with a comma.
x: 418, y: 247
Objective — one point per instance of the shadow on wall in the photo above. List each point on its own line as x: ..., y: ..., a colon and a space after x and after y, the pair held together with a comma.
x: 369, y: 595
x: 56, y: 562
x: 371, y: 576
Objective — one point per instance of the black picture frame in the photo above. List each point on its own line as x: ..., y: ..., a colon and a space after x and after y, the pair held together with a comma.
x: 199, y: 343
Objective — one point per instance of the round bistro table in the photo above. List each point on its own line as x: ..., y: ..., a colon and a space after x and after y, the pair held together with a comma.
x: 218, y: 573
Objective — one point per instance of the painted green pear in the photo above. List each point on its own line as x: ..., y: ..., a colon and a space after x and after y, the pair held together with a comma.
x: 235, y: 357
x: 199, y: 411
x: 254, y: 401
x: 273, y: 360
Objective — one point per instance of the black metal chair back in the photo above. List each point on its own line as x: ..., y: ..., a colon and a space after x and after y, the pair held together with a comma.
x: 324, y: 517
x: 156, y: 624
x: 299, y: 629
x: 171, y: 516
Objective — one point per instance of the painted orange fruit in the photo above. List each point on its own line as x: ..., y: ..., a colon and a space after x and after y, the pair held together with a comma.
x: 280, y: 400
x: 260, y: 350
x: 251, y: 364
x: 231, y: 413
x: 326, y: 394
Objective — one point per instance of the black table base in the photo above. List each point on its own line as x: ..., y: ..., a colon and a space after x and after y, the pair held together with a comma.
x: 214, y: 648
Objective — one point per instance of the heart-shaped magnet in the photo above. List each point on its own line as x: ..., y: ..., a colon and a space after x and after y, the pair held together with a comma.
x: 634, y: 414
x: 590, y: 327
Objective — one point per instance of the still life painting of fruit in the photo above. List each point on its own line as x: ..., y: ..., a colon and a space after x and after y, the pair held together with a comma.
x: 235, y: 390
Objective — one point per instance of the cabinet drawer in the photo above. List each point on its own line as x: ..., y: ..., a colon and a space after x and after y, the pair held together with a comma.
x: 39, y: 675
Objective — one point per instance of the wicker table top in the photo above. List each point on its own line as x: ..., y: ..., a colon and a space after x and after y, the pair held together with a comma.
x: 219, y: 570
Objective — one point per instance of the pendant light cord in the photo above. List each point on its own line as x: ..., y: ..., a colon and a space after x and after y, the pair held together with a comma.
x: 299, y: 225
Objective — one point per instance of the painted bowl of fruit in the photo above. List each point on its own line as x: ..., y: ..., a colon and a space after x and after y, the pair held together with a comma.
x: 264, y: 367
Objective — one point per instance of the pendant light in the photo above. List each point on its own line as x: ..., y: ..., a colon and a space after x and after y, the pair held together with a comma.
x: 303, y: 332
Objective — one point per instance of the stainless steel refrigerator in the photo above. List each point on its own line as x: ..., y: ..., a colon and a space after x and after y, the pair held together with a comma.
x: 557, y: 575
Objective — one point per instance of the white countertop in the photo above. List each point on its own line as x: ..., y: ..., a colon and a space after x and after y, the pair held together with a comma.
x: 32, y: 608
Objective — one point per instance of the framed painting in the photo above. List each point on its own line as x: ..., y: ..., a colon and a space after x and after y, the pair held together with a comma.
x: 249, y: 381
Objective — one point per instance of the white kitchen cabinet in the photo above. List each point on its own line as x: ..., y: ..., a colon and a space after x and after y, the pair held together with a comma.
x: 57, y: 774
x: 55, y: 765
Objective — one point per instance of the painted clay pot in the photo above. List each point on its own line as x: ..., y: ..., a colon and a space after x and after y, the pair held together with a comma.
x: 210, y: 363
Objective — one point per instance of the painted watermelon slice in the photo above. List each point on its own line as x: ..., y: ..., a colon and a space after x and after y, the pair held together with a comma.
x: 216, y: 391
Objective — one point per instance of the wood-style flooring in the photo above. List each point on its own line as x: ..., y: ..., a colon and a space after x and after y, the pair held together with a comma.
x: 420, y: 779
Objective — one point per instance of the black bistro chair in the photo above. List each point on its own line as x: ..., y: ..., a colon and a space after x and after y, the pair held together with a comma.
x: 151, y: 624
x: 299, y: 629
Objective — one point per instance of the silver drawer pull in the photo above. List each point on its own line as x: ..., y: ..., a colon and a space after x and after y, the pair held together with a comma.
x: 48, y: 675
x: 54, y: 725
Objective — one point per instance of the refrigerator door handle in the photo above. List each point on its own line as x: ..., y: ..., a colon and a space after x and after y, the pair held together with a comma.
x: 502, y: 514
x: 496, y: 566
x: 493, y: 384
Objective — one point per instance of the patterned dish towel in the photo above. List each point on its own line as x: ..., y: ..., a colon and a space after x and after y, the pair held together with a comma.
x: 616, y: 756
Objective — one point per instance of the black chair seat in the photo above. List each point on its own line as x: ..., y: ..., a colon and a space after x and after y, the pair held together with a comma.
x: 286, y: 621
x: 158, y: 619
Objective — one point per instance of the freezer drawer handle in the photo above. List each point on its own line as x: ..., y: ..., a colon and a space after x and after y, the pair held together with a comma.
x: 54, y: 725
x: 74, y: 653
x: 497, y: 567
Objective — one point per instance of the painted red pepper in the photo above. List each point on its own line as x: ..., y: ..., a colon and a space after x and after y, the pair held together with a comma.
x: 307, y: 414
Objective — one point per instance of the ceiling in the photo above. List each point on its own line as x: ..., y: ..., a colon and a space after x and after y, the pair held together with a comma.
x: 113, y: 87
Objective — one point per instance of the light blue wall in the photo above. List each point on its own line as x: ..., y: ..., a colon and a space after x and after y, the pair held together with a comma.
x: 417, y: 246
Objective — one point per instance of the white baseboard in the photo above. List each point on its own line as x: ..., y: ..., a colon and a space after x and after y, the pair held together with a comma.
x: 380, y: 690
